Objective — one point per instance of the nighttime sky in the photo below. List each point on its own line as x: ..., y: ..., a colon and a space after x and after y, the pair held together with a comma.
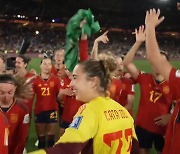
x: 118, y: 13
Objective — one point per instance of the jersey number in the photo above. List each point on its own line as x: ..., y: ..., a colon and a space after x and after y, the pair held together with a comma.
x: 54, y: 115
x: 109, y: 138
x: 154, y: 96
x: 45, y: 91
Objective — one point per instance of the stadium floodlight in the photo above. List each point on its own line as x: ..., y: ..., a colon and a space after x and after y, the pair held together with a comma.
x: 36, y: 32
x: 53, y: 20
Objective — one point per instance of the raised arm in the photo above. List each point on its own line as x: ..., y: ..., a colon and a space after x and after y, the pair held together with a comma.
x: 152, y: 48
x: 103, y: 38
x: 140, y: 38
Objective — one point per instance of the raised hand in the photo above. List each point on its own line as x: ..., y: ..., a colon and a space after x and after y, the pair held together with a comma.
x: 140, y: 34
x: 178, y: 6
x: 153, y: 18
x: 103, y: 38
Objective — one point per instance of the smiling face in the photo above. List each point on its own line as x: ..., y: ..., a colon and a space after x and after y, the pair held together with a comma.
x: 7, y: 91
x: 46, y: 66
x: 20, y: 65
x: 81, y: 84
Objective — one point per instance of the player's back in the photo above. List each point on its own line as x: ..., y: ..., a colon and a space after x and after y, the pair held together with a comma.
x: 116, y: 127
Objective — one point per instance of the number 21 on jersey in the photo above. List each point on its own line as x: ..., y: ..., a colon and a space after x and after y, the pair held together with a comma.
x: 45, y: 91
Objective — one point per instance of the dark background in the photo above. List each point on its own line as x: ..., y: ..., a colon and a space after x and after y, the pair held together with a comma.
x: 126, y: 14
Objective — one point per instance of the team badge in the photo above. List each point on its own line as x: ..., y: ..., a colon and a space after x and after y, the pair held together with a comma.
x: 14, y: 118
x: 178, y: 73
x: 51, y: 84
x: 165, y: 89
x: 76, y: 122
x: 123, y: 86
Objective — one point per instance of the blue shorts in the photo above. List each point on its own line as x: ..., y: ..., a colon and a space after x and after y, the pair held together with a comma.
x: 147, y: 139
x: 47, y: 117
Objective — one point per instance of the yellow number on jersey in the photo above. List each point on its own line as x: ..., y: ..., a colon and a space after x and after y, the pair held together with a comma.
x: 45, y: 91
x: 127, y: 134
x: 154, y: 96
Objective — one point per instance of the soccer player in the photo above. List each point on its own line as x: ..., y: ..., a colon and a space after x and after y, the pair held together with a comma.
x: 71, y: 105
x: 4, y: 129
x: 155, y: 101
x: 101, y: 125
x: 126, y: 97
x: 121, y: 88
x: 172, y: 139
x: 16, y: 113
x: 21, y: 64
x: 46, y: 88
x: 58, y: 67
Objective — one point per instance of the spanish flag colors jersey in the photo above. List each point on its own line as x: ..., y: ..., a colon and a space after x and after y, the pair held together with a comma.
x: 4, y: 129
x: 101, y: 126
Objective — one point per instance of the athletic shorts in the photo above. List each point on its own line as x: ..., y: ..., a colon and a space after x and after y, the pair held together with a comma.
x: 147, y: 139
x: 47, y: 117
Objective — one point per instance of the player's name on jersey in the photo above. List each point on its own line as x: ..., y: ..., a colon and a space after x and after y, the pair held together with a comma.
x: 115, y: 114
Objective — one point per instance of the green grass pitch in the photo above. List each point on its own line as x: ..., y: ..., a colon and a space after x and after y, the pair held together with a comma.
x: 141, y: 64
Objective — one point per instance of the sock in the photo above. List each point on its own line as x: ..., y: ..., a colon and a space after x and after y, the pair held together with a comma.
x: 50, y: 140
x: 42, y: 142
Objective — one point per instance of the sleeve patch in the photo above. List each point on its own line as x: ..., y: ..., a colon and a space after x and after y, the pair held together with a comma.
x: 178, y: 73
x: 26, y: 119
x: 76, y: 122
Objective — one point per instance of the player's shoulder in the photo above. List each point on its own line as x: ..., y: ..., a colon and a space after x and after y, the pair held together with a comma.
x: 22, y: 106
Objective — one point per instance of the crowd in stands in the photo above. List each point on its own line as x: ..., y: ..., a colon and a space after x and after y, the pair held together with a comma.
x: 45, y: 38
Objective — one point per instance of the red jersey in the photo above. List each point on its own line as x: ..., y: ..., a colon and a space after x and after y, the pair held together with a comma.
x: 46, y: 93
x: 127, y: 89
x: 29, y: 102
x: 115, y: 89
x: 4, y: 129
x: 71, y: 105
x: 155, y: 100
x: 56, y: 72
x: 172, y: 139
x: 18, y: 118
